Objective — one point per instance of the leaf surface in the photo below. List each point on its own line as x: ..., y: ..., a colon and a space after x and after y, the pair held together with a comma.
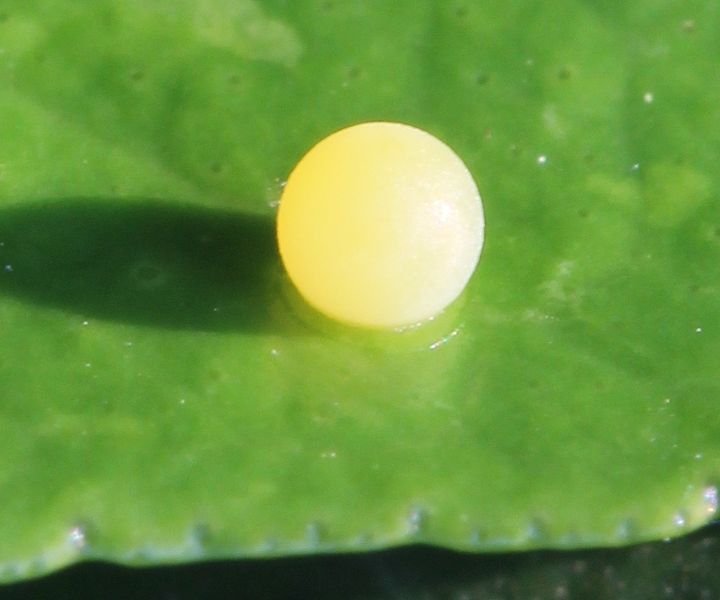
x: 167, y: 397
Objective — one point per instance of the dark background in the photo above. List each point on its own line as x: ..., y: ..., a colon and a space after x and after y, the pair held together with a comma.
x: 681, y: 568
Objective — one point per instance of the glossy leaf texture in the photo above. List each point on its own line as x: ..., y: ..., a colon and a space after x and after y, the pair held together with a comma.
x: 167, y: 397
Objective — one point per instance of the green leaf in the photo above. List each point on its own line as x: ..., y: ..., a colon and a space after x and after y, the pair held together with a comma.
x: 166, y: 396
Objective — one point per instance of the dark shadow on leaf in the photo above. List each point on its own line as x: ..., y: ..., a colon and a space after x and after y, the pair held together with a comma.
x: 143, y: 261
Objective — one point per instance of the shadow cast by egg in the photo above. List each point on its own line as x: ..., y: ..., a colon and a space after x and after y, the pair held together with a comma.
x: 143, y: 261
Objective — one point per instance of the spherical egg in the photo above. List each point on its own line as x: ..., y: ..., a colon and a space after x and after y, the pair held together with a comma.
x: 380, y: 225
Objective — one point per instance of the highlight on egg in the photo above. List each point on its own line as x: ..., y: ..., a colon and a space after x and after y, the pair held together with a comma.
x: 380, y: 225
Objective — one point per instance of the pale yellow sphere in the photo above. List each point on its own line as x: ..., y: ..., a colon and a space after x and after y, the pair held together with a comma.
x: 380, y: 225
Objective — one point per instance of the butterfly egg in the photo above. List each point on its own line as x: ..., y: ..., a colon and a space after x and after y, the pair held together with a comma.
x: 380, y: 225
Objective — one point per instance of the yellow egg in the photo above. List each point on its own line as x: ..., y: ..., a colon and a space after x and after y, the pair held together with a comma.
x: 380, y: 225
